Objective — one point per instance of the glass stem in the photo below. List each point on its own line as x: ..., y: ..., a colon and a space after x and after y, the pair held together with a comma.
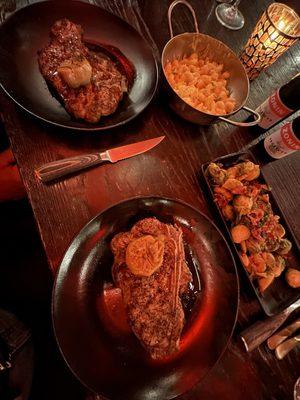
x: 236, y: 3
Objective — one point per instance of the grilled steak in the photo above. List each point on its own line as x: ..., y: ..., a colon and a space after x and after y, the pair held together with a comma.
x: 88, y: 82
x: 153, y: 303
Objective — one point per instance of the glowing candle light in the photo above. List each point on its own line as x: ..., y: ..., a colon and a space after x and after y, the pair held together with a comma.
x: 275, y: 32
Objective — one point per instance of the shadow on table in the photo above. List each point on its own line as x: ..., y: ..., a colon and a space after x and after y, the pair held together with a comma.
x: 25, y: 290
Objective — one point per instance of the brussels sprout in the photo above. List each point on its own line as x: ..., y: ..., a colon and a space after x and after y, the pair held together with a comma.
x: 254, y: 246
x: 218, y: 174
x: 284, y: 246
x: 279, y: 265
x: 271, y: 245
x: 243, y: 204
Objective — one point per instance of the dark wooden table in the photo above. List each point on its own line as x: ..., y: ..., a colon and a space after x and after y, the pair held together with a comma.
x: 171, y: 170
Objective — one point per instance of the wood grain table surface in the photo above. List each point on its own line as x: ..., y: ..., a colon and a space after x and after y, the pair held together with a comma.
x: 173, y: 169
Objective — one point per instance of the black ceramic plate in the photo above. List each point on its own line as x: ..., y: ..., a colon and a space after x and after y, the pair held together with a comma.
x: 118, y: 367
x: 279, y: 295
x: 27, y: 31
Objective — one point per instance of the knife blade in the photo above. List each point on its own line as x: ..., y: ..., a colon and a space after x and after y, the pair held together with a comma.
x: 66, y: 166
x: 131, y: 150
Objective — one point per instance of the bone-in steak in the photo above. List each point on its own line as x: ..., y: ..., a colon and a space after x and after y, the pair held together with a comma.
x: 153, y: 303
x: 88, y: 82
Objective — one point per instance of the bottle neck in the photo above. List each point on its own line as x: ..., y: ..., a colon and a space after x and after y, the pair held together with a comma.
x: 289, y: 93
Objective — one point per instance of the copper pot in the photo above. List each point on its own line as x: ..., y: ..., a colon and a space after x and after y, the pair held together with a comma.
x: 187, y: 43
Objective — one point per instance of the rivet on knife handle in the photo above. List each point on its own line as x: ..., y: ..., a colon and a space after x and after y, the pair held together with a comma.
x: 59, y: 168
x: 284, y: 348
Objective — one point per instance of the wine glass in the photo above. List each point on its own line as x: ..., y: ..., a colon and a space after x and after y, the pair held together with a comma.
x: 229, y: 15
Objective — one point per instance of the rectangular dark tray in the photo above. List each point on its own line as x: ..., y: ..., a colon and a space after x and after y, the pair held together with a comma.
x: 279, y: 294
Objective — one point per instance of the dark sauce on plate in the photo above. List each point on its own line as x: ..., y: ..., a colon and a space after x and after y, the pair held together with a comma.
x: 125, y: 67
x: 189, y: 298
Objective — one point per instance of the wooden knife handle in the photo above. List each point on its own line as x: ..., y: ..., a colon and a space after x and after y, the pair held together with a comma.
x: 59, y: 168
x: 257, y: 333
x: 282, y: 335
x: 284, y: 348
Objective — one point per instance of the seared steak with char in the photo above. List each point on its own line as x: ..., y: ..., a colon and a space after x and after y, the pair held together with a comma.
x: 89, y: 83
x: 153, y: 303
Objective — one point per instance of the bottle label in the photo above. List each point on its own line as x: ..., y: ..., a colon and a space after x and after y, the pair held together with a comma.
x: 272, y: 110
x: 282, y: 142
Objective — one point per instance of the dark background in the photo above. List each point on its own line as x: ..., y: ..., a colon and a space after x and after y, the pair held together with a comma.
x: 25, y: 277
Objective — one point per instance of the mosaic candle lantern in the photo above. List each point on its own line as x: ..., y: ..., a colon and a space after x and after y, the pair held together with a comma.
x: 276, y: 31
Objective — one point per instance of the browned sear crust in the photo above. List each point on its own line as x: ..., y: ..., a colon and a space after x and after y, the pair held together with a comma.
x: 153, y: 303
x: 89, y: 83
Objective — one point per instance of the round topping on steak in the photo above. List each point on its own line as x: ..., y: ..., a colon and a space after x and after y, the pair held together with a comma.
x: 76, y: 72
x: 145, y: 255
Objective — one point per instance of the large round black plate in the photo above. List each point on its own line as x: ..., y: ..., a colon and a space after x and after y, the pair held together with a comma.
x: 27, y: 31
x: 118, y: 368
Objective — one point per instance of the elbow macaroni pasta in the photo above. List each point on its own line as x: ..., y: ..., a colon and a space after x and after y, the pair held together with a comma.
x: 201, y: 83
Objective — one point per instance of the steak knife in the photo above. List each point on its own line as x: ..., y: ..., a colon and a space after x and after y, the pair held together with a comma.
x: 257, y: 333
x: 66, y: 166
x: 282, y: 335
x: 284, y: 348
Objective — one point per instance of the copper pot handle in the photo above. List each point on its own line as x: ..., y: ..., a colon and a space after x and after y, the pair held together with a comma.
x: 236, y: 123
x: 187, y: 4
